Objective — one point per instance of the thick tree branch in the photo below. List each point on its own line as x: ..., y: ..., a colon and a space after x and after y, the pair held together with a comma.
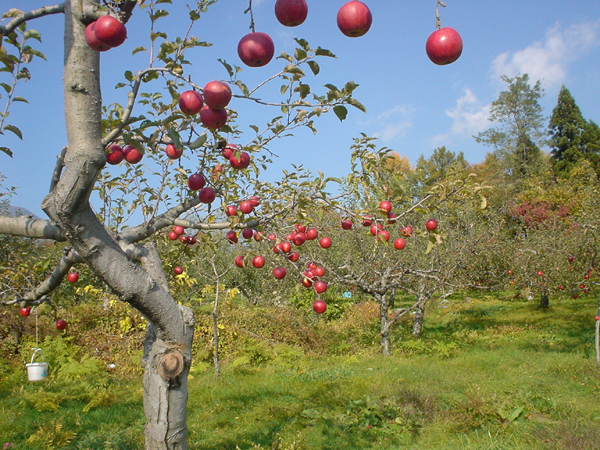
x: 24, y: 17
x: 26, y: 226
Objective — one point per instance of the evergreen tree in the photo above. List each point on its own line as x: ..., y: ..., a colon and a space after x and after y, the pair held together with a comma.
x: 591, y: 144
x: 566, y: 133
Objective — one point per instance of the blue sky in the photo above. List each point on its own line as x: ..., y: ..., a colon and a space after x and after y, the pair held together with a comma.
x: 413, y: 106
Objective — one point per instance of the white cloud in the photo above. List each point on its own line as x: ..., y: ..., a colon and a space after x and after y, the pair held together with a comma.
x: 469, y: 117
x: 549, y: 60
x: 393, y: 123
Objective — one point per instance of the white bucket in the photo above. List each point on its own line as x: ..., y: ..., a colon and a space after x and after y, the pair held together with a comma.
x: 37, y: 371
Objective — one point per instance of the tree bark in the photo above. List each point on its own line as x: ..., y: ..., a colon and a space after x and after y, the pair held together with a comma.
x: 383, y: 321
x: 545, y: 300
x: 419, y: 316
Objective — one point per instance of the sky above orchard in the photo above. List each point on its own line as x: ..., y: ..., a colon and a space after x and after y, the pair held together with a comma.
x: 413, y: 106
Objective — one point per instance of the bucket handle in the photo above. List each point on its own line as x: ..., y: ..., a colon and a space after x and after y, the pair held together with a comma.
x: 35, y: 352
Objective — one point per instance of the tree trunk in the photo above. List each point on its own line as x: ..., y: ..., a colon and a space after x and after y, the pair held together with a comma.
x: 168, y: 345
x: 383, y: 321
x: 545, y: 300
x: 419, y: 316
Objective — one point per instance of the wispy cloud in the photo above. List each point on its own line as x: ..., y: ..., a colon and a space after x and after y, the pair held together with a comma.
x: 392, y: 123
x: 549, y: 60
x: 469, y: 117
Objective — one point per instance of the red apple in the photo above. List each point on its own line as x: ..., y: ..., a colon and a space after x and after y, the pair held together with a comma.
x: 173, y: 236
x: 179, y: 230
x: 285, y: 247
x: 256, y: 49
x: 431, y: 224
x: 25, y: 311
x: 114, y: 154
x: 246, y: 207
x: 173, y: 152
x: 92, y: 40
x: 346, y: 224
x: 190, y: 102
x: 216, y: 172
x: 319, y: 306
x: 193, y: 240
x: 254, y: 200
x: 399, y: 244
x: 406, y: 231
x: 207, y: 195
x: 185, y: 240
x: 213, y: 118
x: 73, y: 277
x: 367, y: 221
x: 325, y: 242
x: 217, y: 94
x: 291, y: 13
x: 383, y: 235
x: 293, y: 257
x: 311, y: 234
x: 300, y: 228
x: 258, y: 262
x: 444, y: 46
x: 540, y: 273
x: 241, y: 162
x: 258, y: 236
x: 231, y: 236
x: 318, y: 271
x: 228, y: 151
x: 392, y: 218
x: 320, y: 287
x: 247, y: 233
x: 376, y: 228
x: 312, y: 265
x: 354, y: 19
x: 132, y: 154
x: 597, y: 318
x: 61, y: 324
x: 230, y: 211
x: 271, y: 237
x: 178, y: 270
x: 110, y: 31
x: 239, y: 261
x: 196, y: 181
x: 385, y: 207
x: 279, y: 273
x: 299, y: 239
x: 571, y: 259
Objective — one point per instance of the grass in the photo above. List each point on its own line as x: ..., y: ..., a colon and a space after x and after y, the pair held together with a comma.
x: 489, y: 374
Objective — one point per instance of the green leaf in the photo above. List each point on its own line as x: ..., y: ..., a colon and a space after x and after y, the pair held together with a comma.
x: 314, y: 67
x: 430, y: 246
x: 155, y: 36
x: 6, y: 87
x: 323, y: 52
x: 299, y: 54
x: 198, y: 142
x: 284, y: 88
x: 304, y: 90
x: 227, y: 67
x: 32, y: 34
x: 14, y: 130
x: 356, y: 104
x: 243, y: 88
x: 340, y: 111
x: 120, y: 85
x: 20, y: 99
x: 158, y: 14
x: 331, y: 87
x: 37, y: 53
x: 6, y: 150
x: 175, y: 137
x: 128, y: 75
x: 138, y: 49
x: 194, y: 16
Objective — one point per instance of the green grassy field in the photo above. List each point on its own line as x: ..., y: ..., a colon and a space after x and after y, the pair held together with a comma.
x: 489, y: 374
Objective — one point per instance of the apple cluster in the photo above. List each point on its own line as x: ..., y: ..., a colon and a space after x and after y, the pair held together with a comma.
x: 105, y: 33
x: 309, y: 278
x: 211, y: 106
x: 115, y: 154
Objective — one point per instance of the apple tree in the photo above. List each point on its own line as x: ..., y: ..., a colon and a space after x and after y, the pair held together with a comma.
x: 170, y: 162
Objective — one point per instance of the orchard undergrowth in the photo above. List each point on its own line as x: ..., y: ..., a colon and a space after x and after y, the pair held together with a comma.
x: 489, y: 373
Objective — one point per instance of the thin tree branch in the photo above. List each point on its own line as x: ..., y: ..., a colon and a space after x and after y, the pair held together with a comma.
x: 24, y: 17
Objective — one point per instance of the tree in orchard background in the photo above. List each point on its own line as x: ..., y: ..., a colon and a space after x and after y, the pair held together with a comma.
x: 150, y: 123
